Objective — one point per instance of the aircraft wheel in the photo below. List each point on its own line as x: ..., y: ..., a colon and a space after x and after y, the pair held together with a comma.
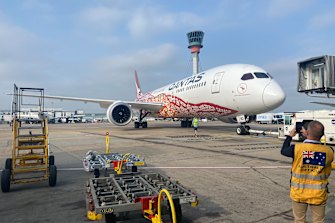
x: 247, y: 128
x: 137, y: 125
x: 52, y: 175
x: 183, y: 124
x: 144, y: 125
x: 8, y: 164
x: 5, y: 180
x: 240, y: 130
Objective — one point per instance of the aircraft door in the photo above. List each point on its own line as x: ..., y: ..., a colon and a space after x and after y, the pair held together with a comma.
x: 217, y: 82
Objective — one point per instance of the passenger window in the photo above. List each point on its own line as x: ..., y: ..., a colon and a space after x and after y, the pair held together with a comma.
x: 261, y: 75
x: 247, y: 76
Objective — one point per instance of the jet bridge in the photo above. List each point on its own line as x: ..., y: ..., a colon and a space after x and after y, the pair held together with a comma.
x: 317, y: 75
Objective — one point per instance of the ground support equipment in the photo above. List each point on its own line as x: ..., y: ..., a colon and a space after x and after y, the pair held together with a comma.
x: 114, y: 161
x: 30, y: 160
x: 111, y: 196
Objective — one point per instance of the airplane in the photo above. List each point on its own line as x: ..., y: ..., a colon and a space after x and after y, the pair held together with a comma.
x: 228, y: 92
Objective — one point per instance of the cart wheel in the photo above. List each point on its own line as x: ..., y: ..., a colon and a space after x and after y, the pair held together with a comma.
x: 5, y: 180
x: 177, y: 208
x: 51, y: 160
x: 52, y: 175
x: 110, y: 218
x: 8, y: 164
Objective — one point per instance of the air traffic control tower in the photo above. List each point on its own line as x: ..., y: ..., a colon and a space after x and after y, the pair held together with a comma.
x: 195, y: 44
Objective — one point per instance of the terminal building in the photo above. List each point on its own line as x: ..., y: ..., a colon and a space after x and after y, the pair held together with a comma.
x: 53, y: 115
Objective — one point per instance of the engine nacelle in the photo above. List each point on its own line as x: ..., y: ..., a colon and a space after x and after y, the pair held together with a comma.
x: 119, y: 113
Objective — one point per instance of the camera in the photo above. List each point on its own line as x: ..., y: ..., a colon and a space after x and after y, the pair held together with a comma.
x: 298, y: 127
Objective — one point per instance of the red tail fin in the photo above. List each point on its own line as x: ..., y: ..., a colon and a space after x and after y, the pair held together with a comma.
x: 138, y: 88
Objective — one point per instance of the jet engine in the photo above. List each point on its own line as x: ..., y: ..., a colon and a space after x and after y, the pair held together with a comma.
x: 119, y: 113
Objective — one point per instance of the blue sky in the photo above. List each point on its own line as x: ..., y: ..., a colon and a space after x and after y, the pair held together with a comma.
x: 91, y: 48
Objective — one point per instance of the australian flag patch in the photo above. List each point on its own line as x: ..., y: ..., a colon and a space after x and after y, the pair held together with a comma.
x: 314, y: 158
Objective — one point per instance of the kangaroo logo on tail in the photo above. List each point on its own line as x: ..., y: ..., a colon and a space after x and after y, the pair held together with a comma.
x: 138, y: 88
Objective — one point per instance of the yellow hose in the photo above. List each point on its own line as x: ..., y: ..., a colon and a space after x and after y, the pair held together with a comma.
x: 158, y: 217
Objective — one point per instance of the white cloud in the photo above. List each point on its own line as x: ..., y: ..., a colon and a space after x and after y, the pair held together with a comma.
x: 108, y: 40
x: 114, y: 75
x: 141, y: 21
x: 17, y: 50
x: 151, y: 20
x: 282, y: 8
x: 145, y: 58
x: 323, y: 20
x: 101, y: 17
x: 39, y: 5
x: 283, y: 66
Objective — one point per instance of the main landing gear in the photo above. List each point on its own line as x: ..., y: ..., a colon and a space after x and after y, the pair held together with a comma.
x: 140, y: 123
x: 186, y: 123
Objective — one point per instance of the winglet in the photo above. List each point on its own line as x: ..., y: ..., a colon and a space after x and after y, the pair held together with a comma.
x: 138, y: 88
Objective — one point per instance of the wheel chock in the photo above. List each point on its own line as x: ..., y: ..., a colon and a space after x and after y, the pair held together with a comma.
x: 93, y: 216
x: 194, y: 204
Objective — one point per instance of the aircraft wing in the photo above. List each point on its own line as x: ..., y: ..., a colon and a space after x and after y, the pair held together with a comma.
x: 323, y: 103
x: 105, y: 103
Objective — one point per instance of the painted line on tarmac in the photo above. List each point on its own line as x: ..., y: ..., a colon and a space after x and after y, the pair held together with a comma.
x: 70, y: 169
x: 218, y: 167
x: 193, y: 167
x: 199, y: 167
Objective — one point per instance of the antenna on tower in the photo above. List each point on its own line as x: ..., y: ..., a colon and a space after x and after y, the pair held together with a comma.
x: 195, y: 44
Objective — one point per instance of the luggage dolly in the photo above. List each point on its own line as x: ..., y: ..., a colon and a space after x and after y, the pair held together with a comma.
x: 116, y: 161
x: 128, y: 192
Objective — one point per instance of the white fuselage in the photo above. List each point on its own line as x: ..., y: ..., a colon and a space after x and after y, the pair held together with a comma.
x: 224, y: 91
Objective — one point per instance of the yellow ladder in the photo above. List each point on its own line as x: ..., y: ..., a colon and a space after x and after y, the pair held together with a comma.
x: 30, y: 150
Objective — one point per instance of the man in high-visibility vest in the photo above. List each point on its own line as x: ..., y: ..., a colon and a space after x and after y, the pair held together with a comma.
x: 311, y: 168
x: 195, y: 123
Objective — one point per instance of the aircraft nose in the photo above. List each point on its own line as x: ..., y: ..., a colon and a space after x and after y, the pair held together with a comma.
x: 273, y: 95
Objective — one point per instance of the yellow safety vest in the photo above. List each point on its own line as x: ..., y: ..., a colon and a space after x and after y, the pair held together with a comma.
x: 310, y: 171
x: 195, y: 122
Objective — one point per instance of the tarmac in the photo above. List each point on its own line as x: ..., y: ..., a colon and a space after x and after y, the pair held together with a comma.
x: 236, y: 178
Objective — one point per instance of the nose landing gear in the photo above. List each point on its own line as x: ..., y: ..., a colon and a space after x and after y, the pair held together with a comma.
x: 243, y: 130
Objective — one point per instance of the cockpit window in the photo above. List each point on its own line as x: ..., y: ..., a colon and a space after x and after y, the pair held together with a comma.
x: 247, y: 76
x: 261, y: 75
